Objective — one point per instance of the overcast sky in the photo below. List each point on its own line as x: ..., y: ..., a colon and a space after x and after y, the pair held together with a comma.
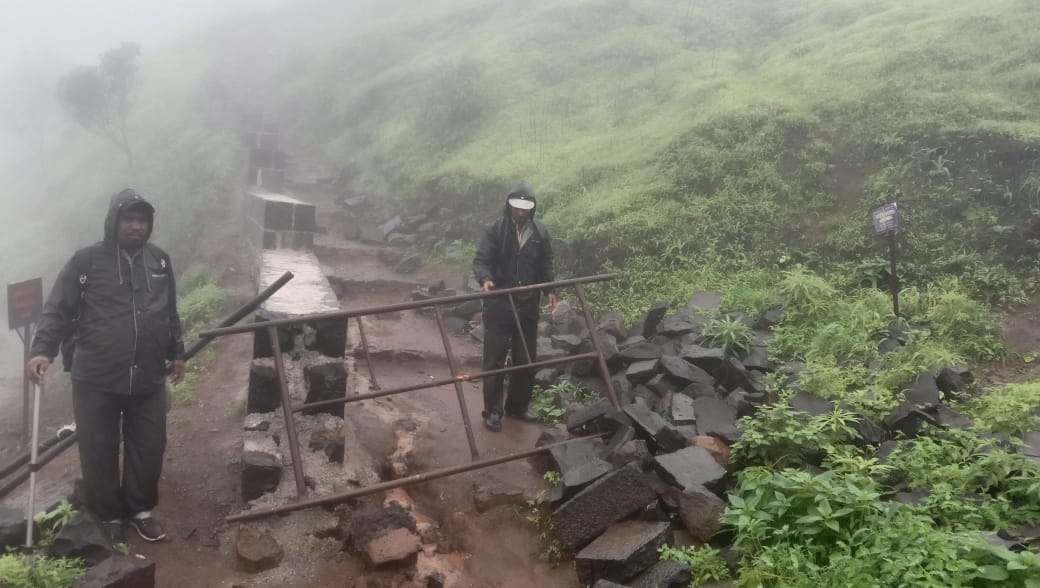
x: 81, y: 29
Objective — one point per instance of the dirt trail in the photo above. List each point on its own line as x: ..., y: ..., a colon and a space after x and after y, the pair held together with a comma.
x: 502, y: 551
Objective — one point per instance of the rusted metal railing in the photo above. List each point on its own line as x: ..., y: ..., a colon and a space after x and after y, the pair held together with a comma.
x: 456, y: 379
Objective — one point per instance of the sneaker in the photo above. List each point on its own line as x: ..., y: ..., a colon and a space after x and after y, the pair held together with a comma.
x: 526, y: 416
x: 148, y: 528
x: 493, y: 422
x: 115, y: 531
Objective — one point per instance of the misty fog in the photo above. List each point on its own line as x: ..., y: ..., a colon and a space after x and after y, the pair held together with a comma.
x: 39, y: 42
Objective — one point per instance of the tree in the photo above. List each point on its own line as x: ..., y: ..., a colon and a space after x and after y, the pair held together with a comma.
x: 98, y: 97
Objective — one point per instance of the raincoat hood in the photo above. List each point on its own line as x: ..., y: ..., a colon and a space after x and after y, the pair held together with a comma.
x: 523, y: 191
x: 126, y: 200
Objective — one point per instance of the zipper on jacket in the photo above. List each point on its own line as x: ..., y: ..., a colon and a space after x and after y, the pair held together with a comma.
x: 133, y: 310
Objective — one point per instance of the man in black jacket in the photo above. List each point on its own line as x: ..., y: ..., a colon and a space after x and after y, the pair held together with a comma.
x: 515, y: 251
x: 118, y: 302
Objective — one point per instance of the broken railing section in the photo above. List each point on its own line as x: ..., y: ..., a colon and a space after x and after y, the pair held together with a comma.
x: 274, y: 327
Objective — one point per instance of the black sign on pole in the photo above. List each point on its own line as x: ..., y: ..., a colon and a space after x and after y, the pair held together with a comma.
x: 24, y: 307
x: 886, y: 223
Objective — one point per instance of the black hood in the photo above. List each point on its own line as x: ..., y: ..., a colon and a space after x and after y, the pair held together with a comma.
x: 126, y: 200
x: 523, y: 190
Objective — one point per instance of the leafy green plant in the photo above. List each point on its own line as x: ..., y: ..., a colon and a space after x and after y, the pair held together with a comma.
x: 780, y: 436
x: 550, y: 403
x: 729, y: 333
x: 706, y: 563
x: 1008, y: 409
x: 39, y: 571
x: 536, y: 513
x: 52, y: 521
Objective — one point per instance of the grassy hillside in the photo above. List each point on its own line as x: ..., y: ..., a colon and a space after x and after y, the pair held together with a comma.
x: 683, y: 143
x: 738, y: 134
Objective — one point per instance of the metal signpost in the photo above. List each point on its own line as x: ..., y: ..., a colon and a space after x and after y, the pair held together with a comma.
x: 24, y: 307
x: 886, y: 223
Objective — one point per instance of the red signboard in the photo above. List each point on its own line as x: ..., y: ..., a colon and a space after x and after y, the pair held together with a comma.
x: 24, y: 303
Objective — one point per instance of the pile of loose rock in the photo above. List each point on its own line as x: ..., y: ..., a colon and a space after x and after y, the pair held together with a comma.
x: 660, y: 470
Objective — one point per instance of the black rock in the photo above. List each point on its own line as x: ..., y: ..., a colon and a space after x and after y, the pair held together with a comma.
x: 641, y: 351
x: 924, y: 393
x: 119, y: 571
x: 758, y: 359
x: 614, y: 323
x: 716, y: 418
x: 683, y: 322
x: 811, y: 404
x: 666, y: 573
x: 655, y: 427
x: 641, y: 372
x: 83, y: 536
x: 770, y: 319
x: 606, y: 501
x: 684, y: 373
x: 654, y: 317
x: 622, y: 553
x: 691, y: 467
x: 709, y: 359
x: 907, y: 419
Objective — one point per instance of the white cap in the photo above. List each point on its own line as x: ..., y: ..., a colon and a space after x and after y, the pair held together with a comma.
x: 521, y: 203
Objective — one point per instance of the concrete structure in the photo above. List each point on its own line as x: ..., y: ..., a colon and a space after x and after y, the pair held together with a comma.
x: 266, y: 167
x: 277, y: 221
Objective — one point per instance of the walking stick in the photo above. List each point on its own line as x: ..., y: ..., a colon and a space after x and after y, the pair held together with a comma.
x: 30, y: 510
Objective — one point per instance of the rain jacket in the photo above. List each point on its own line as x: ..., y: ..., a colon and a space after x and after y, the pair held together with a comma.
x: 120, y: 308
x: 501, y: 259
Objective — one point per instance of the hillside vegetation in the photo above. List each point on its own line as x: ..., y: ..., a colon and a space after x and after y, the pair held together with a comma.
x: 679, y: 135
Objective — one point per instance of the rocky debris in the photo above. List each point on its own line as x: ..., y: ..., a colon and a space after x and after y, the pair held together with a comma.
x: 701, y: 512
x: 666, y: 573
x: 261, y: 466
x: 397, y: 546
x: 329, y: 441
x: 811, y: 404
x: 325, y: 379
x: 655, y: 427
x: 264, y: 394
x: 82, y: 536
x: 690, y: 467
x: 580, y: 463
x: 607, y: 584
x: 12, y: 528
x: 683, y: 412
x: 119, y: 571
x: 716, y: 418
x: 614, y: 323
x: 365, y: 527
x: 709, y: 359
x: 924, y: 393
x: 653, y: 318
x: 907, y: 419
x: 256, y: 550
x: 620, y: 554
x: 954, y: 381
x: 487, y: 497
x: 604, y: 502
x: 258, y: 422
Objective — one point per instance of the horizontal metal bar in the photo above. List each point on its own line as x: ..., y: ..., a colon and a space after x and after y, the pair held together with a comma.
x: 414, y: 479
x: 444, y: 382
x: 348, y: 314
